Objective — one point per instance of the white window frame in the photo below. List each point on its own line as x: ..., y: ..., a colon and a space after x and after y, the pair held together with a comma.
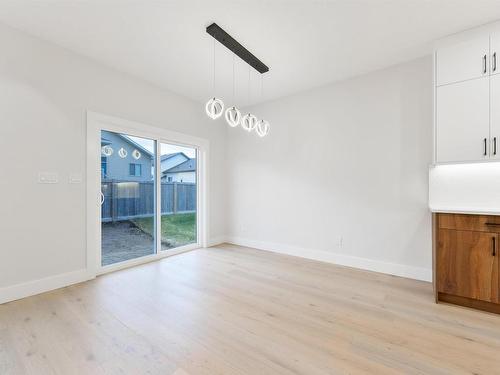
x: 97, y: 122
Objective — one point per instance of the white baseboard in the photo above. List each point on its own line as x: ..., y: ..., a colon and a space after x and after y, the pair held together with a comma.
x: 46, y: 284
x: 216, y: 241
x: 417, y: 273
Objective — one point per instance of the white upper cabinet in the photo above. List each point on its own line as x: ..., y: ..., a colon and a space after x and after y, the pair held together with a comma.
x: 495, y: 53
x: 467, y: 96
x: 460, y: 61
x: 463, y: 129
x: 495, y: 117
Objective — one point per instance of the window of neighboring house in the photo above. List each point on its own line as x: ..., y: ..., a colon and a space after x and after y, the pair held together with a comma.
x: 104, y: 166
x: 169, y: 179
x: 135, y: 169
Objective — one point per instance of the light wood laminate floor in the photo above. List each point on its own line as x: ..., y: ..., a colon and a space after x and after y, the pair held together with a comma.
x: 234, y: 310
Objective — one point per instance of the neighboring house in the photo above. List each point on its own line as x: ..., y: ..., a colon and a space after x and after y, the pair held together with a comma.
x: 175, y: 167
x: 128, y: 168
x: 184, y: 172
x: 171, y: 160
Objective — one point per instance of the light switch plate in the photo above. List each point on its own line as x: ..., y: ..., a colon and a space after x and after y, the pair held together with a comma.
x: 48, y: 178
x: 75, y: 178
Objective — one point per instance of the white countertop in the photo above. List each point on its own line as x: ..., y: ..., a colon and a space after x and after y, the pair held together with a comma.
x: 463, y: 210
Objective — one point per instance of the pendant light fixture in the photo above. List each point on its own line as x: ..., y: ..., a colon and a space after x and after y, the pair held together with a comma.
x: 249, y: 121
x: 214, y: 106
x: 233, y: 115
x: 136, y: 154
x: 122, y: 153
x: 263, y: 126
x: 107, y: 150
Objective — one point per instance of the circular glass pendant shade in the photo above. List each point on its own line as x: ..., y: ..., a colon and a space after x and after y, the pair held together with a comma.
x: 233, y: 116
x: 262, y: 128
x: 136, y: 154
x: 214, y: 108
x: 249, y: 122
x: 107, y: 150
x: 122, y: 153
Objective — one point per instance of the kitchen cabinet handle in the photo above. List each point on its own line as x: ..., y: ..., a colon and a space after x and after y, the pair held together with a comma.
x: 494, y: 243
x: 494, y: 145
x: 494, y: 61
x: 485, y: 145
x: 498, y: 224
x: 484, y: 65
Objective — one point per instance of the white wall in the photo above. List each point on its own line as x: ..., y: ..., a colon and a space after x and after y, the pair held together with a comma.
x: 348, y: 160
x: 44, y: 93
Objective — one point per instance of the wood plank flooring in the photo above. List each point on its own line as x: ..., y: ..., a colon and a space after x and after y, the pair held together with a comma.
x: 235, y: 310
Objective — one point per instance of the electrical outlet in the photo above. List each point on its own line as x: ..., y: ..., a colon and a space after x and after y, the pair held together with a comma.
x: 340, y: 241
x: 48, y: 178
x: 75, y: 178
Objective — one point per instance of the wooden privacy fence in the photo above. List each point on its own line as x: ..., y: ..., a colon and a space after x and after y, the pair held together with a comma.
x: 124, y: 200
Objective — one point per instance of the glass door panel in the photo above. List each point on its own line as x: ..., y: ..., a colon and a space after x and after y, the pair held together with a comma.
x: 178, y: 195
x: 128, y: 223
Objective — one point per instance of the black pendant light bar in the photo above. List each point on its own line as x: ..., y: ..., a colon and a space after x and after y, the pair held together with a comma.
x: 227, y: 40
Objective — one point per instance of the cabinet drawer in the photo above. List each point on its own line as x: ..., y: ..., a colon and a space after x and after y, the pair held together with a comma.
x: 480, y: 223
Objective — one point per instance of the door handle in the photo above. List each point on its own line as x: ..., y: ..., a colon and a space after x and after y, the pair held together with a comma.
x: 102, y: 198
x: 494, y: 145
x: 485, y: 67
x: 494, y: 61
x: 485, y: 147
x: 494, y: 243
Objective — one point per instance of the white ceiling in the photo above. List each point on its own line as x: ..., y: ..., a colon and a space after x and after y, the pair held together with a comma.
x: 305, y: 43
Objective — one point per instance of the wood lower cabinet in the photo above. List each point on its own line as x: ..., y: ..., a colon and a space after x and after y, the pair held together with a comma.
x: 467, y: 264
x: 466, y: 261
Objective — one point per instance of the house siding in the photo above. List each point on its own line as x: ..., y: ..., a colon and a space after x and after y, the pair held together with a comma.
x: 119, y: 168
x: 173, y: 161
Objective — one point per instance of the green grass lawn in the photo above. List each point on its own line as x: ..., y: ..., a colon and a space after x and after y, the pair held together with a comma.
x: 176, y: 230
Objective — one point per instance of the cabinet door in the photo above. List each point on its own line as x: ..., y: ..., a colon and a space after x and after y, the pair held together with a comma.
x: 495, y: 53
x: 467, y: 264
x: 464, y: 60
x: 463, y: 121
x: 495, y: 116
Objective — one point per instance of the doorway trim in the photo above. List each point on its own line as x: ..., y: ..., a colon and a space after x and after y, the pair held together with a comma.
x: 97, y: 122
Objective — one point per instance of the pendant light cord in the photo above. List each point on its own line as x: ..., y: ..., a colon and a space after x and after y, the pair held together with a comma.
x: 233, y: 79
x: 261, y: 87
x: 213, y: 76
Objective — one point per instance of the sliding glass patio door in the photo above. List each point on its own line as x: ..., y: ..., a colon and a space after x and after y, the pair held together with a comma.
x: 149, y: 197
x: 179, y: 171
x: 128, y: 197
